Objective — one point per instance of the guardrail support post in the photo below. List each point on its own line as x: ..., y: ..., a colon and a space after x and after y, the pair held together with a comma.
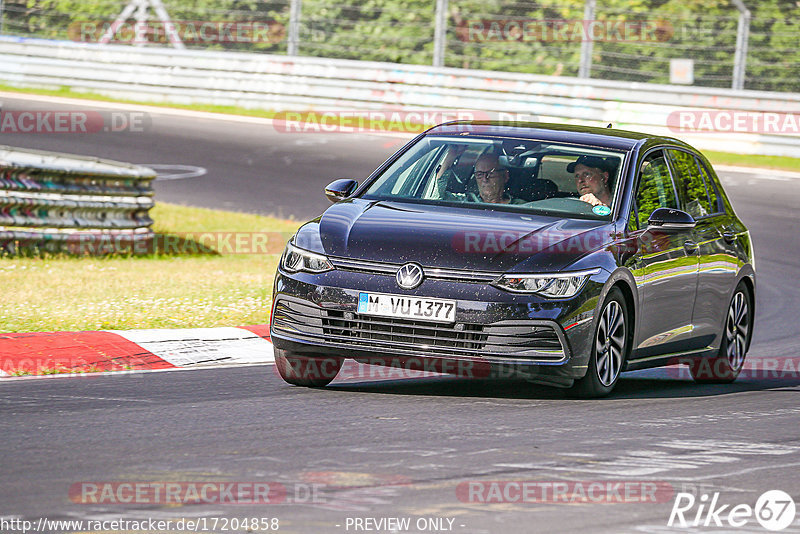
x: 138, y: 8
x: 295, y: 9
x: 742, y: 34
x: 585, y: 69
x: 440, y: 33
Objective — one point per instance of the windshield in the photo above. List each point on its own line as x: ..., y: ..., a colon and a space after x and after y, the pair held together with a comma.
x: 521, y: 174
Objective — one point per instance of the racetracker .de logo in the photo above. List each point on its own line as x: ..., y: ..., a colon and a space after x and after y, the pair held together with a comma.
x: 494, y: 241
x: 564, y: 30
x: 356, y: 121
x: 194, y: 492
x: 732, y: 121
x: 73, y: 122
x: 188, y: 31
x: 782, y: 368
x: 392, y: 368
x: 564, y: 492
x: 179, y: 243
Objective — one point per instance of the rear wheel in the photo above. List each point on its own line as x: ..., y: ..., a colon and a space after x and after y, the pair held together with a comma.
x: 309, y: 371
x: 609, y: 350
x: 725, y: 367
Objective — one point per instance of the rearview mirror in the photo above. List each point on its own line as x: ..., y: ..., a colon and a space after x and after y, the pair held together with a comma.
x: 340, y: 189
x: 671, y: 219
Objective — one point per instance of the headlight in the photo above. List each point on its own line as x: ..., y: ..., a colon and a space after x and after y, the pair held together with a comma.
x: 554, y: 286
x: 296, y: 259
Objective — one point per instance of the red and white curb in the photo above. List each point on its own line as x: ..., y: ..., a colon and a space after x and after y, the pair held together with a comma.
x: 64, y: 353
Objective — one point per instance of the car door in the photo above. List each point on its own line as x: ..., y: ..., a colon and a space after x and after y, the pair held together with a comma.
x: 715, y: 276
x: 665, y: 265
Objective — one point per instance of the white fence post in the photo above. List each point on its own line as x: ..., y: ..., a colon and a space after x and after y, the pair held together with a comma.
x: 585, y: 69
x: 294, y: 27
x: 742, y: 34
x: 440, y: 33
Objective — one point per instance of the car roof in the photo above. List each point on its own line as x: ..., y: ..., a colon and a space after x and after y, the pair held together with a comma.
x: 590, y: 135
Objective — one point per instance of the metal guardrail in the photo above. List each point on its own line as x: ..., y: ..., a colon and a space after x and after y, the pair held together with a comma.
x: 302, y: 83
x: 62, y: 203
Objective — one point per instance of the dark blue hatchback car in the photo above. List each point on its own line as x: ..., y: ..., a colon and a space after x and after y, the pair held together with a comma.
x: 562, y: 254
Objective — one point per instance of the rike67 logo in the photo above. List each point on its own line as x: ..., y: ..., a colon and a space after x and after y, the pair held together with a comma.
x: 774, y: 510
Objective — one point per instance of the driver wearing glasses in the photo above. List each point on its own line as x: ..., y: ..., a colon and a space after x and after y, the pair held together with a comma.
x: 491, y: 178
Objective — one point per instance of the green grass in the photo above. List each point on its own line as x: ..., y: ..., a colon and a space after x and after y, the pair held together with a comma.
x: 167, y: 290
x: 67, y: 92
x: 58, y: 370
x: 747, y: 160
x: 720, y: 158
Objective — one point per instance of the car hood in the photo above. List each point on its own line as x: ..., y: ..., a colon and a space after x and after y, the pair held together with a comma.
x: 451, y: 237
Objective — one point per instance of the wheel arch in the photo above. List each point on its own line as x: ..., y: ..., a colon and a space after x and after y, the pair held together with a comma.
x: 623, y: 279
x: 747, y: 276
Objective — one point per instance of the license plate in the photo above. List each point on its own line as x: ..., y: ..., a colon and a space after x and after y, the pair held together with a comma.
x: 420, y: 309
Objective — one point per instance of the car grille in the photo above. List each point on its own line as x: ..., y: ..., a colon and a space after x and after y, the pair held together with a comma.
x: 470, y: 336
x: 434, y: 273
x: 532, y: 340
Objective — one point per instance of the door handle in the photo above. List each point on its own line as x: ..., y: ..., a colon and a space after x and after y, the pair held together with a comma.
x: 690, y: 247
x: 728, y: 236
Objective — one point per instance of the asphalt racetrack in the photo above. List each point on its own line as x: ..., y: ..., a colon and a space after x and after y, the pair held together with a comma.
x: 448, y: 454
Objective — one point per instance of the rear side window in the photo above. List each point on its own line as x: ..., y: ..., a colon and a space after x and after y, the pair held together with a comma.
x: 654, y: 191
x: 691, y: 184
x: 711, y: 187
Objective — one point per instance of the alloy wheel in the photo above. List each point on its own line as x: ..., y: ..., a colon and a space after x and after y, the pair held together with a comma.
x: 610, y: 343
x: 737, y: 327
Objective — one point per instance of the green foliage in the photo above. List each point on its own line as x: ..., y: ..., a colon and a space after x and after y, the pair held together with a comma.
x: 691, y: 184
x: 375, y: 30
x: 480, y: 33
x: 655, y: 188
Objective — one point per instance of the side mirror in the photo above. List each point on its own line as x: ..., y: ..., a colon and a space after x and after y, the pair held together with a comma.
x: 340, y: 189
x: 671, y: 219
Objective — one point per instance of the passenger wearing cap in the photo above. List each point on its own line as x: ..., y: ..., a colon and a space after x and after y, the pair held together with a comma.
x: 591, y: 179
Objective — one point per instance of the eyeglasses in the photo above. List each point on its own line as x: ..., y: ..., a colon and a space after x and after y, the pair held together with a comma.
x: 484, y: 175
x: 586, y: 175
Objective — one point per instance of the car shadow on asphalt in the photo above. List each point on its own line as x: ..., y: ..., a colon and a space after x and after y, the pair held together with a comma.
x: 649, y: 384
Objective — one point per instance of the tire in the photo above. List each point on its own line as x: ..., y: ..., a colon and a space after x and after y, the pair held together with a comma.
x: 609, y: 349
x: 308, y: 371
x: 725, y: 367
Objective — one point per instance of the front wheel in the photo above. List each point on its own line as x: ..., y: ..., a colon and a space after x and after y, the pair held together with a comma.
x: 308, y: 371
x: 725, y: 367
x: 609, y: 350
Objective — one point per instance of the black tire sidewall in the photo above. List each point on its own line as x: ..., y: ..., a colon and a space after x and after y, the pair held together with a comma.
x: 308, y: 371
x: 590, y: 385
x: 717, y: 369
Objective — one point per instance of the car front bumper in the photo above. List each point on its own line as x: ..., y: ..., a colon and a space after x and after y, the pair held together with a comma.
x: 513, y: 334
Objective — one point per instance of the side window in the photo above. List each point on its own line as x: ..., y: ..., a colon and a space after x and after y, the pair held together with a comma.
x: 690, y: 183
x: 655, y: 188
x: 710, y: 188
x: 554, y: 168
x: 409, y: 181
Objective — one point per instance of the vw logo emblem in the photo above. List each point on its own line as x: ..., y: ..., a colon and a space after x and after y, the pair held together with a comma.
x: 409, y: 276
